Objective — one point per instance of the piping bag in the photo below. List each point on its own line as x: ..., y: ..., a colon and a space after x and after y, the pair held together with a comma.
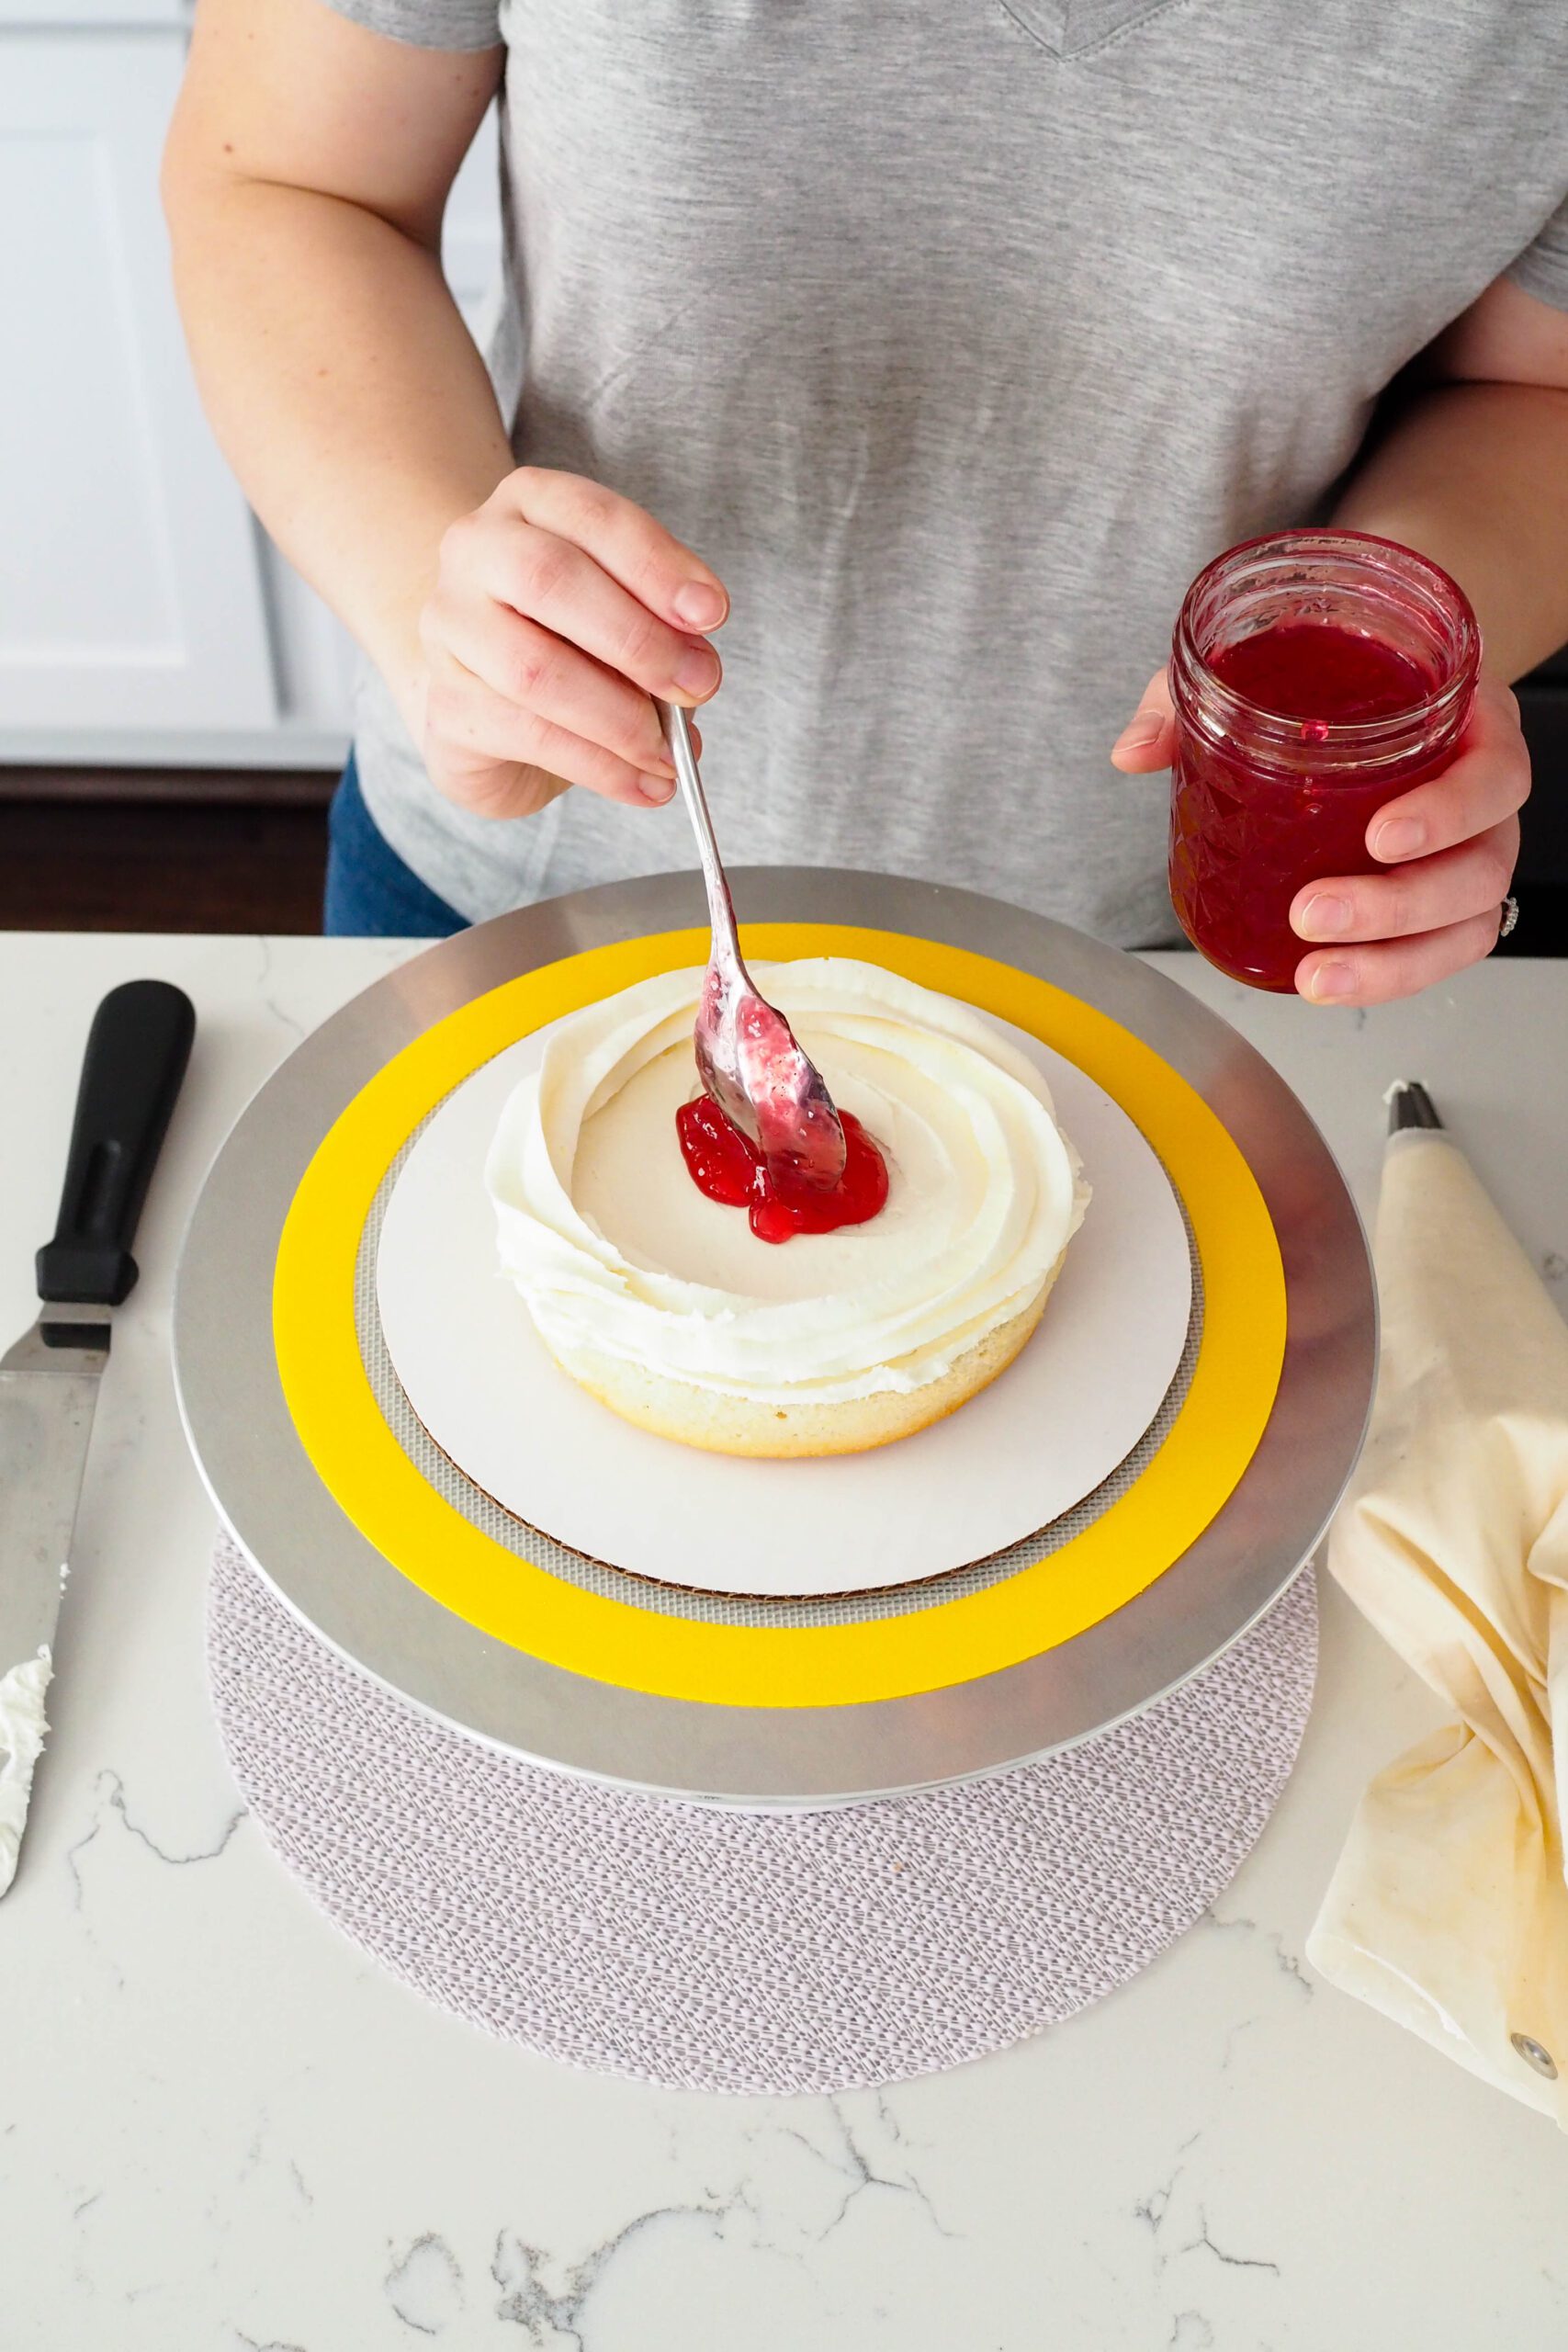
x: 1448, y: 1909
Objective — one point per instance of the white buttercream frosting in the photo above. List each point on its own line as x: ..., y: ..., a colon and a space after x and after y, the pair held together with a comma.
x: 617, y: 1252
x: 23, y: 1726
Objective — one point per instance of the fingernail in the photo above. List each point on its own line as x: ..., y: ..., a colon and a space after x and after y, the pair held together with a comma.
x: 1140, y: 732
x: 1331, y: 980
x: 657, y: 789
x: 1400, y: 837
x: 697, y: 604
x: 696, y: 673
x: 1324, y: 915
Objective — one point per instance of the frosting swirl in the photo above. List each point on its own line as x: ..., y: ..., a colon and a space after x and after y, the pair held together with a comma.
x: 616, y: 1251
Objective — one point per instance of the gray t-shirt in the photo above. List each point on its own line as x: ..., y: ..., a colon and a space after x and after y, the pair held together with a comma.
x: 957, y: 337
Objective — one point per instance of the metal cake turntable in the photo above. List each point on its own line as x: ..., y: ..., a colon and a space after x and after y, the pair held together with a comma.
x: 332, y: 1485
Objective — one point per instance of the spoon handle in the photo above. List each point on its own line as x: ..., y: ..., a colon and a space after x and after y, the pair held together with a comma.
x: 721, y: 907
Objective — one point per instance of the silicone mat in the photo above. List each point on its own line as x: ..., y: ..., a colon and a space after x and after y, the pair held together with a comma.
x: 723, y: 1951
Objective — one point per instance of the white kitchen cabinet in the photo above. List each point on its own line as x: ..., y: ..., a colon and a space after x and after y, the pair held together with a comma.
x: 130, y: 593
x: 143, y: 616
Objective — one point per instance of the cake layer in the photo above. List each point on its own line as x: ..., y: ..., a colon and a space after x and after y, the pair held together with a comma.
x: 617, y: 1253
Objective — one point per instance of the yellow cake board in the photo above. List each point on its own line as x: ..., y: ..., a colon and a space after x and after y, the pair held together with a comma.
x: 1135, y: 1540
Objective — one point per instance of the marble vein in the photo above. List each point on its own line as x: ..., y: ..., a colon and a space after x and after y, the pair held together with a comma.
x: 1189, y: 2332
x: 78, y: 1903
x: 279, y: 1013
x: 557, y: 2321
x: 109, y: 1803
x: 1232, y: 2261
x: 115, y: 1802
x: 424, y: 2285
x: 1285, y: 1960
x: 862, y: 2175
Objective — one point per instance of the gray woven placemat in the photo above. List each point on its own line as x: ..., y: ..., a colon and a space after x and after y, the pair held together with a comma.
x: 728, y: 1952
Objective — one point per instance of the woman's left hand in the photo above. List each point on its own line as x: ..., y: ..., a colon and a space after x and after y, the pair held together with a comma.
x: 1447, y: 846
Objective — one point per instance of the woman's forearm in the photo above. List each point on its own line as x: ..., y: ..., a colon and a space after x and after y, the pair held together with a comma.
x: 346, y: 390
x: 1475, y: 475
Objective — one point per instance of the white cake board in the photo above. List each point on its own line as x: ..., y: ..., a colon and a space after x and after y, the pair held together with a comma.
x: 1012, y: 1460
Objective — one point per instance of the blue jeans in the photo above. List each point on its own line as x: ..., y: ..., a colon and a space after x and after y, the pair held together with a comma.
x: 370, y: 893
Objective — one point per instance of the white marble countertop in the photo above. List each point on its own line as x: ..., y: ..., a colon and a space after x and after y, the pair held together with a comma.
x: 223, y: 2130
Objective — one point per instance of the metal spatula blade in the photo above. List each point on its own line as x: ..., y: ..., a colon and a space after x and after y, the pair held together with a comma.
x: 136, y: 1057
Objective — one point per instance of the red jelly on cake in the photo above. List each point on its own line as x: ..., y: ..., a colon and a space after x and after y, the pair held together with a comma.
x: 726, y: 1166
x: 1317, y: 675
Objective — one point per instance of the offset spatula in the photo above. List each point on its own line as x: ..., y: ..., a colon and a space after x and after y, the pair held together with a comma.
x: 136, y: 1056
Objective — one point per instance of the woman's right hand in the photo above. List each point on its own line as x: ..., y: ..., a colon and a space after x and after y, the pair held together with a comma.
x: 559, y: 608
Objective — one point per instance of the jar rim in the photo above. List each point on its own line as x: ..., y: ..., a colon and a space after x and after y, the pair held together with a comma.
x: 1223, y: 706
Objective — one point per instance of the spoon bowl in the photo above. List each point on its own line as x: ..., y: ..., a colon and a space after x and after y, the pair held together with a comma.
x: 748, y: 1056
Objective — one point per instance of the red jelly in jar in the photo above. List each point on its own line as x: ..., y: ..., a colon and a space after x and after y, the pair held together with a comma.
x: 1316, y: 674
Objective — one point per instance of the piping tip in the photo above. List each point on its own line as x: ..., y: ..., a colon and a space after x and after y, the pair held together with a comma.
x: 1410, y: 1106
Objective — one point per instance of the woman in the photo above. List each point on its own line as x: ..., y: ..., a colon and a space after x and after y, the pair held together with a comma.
x: 942, y: 346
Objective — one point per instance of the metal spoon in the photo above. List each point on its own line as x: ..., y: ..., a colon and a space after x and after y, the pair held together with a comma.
x: 746, y: 1054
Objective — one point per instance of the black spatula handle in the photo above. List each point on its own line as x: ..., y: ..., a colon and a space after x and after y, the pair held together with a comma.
x: 137, y: 1051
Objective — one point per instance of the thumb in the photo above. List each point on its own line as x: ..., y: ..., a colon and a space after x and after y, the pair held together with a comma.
x: 1147, y: 741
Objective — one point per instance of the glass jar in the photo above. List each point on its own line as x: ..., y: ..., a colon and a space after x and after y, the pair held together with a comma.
x: 1316, y: 675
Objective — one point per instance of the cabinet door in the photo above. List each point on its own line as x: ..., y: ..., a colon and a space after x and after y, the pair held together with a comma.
x: 130, y: 592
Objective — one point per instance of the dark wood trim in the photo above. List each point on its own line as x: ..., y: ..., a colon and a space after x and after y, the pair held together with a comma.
x: 197, y: 788
x: 161, y: 866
